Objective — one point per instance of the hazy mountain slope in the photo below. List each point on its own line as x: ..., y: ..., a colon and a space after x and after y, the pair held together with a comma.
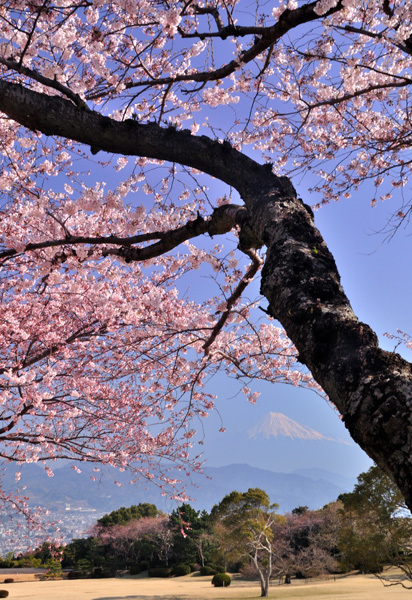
x: 287, y: 490
x: 347, y: 483
x: 67, y: 486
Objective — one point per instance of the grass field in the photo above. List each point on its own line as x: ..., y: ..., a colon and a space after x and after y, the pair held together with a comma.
x: 194, y: 587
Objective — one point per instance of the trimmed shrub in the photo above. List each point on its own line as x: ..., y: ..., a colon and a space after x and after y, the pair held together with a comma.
x: 4, y: 593
x: 195, y: 568
x: 144, y: 565
x: 101, y: 573
x: 221, y: 580
x: 9, y: 580
x: 180, y: 570
x: 235, y: 567
x: 160, y: 572
x: 207, y: 571
x: 76, y: 575
x: 135, y: 569
x: 219, y: 568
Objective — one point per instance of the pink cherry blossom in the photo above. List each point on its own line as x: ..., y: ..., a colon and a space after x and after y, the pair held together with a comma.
x: 105, y: 358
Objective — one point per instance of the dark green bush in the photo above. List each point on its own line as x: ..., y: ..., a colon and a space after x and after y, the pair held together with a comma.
x: 9, y: 580
x: 6, y: 563
x: 4, y: 593
x: 101, y: 573
x: 76, y: 575
x: 221, y: 580
x: 160, y: 572
x: 144, y: 565
x: 216, y: 567
x: 207, y: 571
x: 97, y: 573
x: 235, y: 567
x: 180, y: 570
x: 135, y: 569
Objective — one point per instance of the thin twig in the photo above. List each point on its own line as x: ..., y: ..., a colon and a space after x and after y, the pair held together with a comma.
x: 242, y: 285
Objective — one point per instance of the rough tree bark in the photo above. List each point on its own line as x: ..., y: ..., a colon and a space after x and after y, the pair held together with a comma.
x: 370, y: 387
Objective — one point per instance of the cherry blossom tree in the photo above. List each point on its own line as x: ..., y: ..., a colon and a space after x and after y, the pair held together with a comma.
x: 122, y: 539
x: 127, y: 126
x: 311, y: 539
x: 300, y: 543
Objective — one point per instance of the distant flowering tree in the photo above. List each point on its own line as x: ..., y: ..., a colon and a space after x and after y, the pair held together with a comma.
x: 115, y: 115
x: 124, y: 539
x: 305, y: 542
x: 286, y: 545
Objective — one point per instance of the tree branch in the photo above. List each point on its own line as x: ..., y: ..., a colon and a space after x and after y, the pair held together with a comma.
x: 362, y: 92
x: 266, y: 37
x: 53, y: 115
x: 222, y: 220
x: 240, y: 288
x: 360, y: 31
x: 51, y: 83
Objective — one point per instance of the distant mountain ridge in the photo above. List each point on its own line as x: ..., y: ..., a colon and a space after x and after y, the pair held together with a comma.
x: 289, y: 490
x: 286, y: 489
x: 346, y: 483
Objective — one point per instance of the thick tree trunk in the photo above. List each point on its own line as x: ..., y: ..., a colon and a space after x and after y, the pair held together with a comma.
x: 370, y: 387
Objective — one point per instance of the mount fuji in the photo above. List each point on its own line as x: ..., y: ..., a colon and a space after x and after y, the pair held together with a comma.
x: 279, y: 425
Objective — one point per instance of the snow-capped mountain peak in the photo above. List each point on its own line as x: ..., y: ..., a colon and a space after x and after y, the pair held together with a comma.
x: 277, y: 424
